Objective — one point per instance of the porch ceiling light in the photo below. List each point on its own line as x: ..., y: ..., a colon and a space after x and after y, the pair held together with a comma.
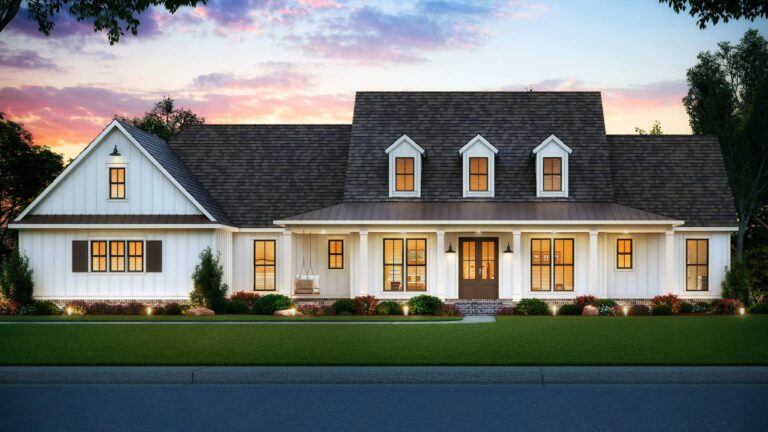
x: 450, y: 248
x: 508, y: 250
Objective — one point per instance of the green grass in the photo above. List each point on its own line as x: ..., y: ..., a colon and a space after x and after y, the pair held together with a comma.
x: 710, y: 340
x: 235, y: 318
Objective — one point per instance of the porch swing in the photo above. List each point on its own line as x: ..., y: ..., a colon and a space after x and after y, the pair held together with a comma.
x: 307, y: 283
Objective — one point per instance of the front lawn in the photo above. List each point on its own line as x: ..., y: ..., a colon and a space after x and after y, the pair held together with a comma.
x: 231, y: 317
x: 706, y: 340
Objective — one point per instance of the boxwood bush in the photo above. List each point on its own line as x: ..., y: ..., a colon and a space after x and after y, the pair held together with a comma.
x: 686, y: 307
x: 270, y: 303
x: 344, y: 306
x: 759, y: 308
x: 532, y: 306
x: 425, y: 305
x: 661, y: 309
x: 569, y: 309
x: 389, y: 308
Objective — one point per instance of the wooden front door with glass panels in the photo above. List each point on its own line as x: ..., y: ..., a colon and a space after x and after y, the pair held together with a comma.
x: 479, y: 269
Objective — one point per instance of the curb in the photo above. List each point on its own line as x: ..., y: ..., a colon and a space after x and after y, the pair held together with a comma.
x: 533, y: 375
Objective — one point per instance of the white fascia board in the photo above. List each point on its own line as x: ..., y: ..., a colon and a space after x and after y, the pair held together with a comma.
x: 704, y: 229
x: 404, y: 139
x: 479, y: 222
x: 118, y: 226
x: 556, y: 140
x: 260, y: 230
x: 480, y: 139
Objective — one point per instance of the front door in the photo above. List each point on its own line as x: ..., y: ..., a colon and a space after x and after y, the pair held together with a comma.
x: 479, y: 270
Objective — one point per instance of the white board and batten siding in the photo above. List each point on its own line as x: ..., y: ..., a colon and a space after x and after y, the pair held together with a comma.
x: 50, y: 255
x: 85, y: 190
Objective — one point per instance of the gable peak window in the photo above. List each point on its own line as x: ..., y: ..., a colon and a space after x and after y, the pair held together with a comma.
x: 551, y: 159
x: 478, y: 157
x: 117, y: 183
x: 405, y: 168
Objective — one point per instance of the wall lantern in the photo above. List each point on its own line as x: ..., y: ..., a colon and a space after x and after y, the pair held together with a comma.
x: 450, y: 248
x: 508, y: 250
x: 115, y: 152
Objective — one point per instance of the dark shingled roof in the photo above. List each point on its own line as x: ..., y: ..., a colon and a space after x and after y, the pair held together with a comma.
x: 163, y: 154
x: 479, y: 211
x: 117, y: 219
x: 260, y: 173
x: 680, y: 176
x: 513, y: 122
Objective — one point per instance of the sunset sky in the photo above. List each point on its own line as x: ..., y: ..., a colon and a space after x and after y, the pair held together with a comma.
x: 301, y: 61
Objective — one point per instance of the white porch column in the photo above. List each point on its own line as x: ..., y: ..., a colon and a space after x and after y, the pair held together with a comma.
x: 362, y: 265
x: 440, y: 277
x: 669, y: 263
x: 593, y: 277
x: 286, y: 264
x: 517, y: 266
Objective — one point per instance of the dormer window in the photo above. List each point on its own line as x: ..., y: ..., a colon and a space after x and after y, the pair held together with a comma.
x: 405, y: 168
x: 551, y: 158
x: 117, y: 183
x: 478, y: 157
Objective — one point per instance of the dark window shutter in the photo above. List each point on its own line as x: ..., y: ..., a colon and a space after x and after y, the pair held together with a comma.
x: 154, y: 256
x: 79, y: 256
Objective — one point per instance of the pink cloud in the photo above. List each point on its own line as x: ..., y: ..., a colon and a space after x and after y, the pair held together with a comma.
x: 24, y: 60
x: 275, y: 76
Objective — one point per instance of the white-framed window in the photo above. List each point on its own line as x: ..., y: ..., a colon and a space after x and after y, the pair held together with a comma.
x: 551, y: 157
x: 478, y: 167
x: 405, y: 168
x: 117, y: 182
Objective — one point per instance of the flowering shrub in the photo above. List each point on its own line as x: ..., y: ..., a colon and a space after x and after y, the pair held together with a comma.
x: 248, y: 298
x: 449, y: 310
x: 702, y: 307
x: 670, y: 300
x: 325, y: 310
x: 606, y: 310
x: 9, y: 307
x: 308, y: 309
x: 506, y: 310
x: 725, y: 306
x: 365, y: 305
x: 587, y: 300
x: 639, y: 310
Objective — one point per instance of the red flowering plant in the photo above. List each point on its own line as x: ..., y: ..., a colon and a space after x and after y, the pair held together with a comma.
x: 365, y: 305
x: 670, y: 300
x: 725, y: 306
x: 587, y: 300
x: 308, y: 309
x: 247, y: 298
x: 9, y: 307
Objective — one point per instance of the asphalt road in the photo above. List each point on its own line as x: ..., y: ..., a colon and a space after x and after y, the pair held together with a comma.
x: 383, y: 407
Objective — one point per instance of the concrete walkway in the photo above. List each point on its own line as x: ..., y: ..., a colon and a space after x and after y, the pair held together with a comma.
x: 535, y: 375
x: 466, y: 320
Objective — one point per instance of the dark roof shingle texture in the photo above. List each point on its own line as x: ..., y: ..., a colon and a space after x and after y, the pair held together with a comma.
x: 260, y: 173
x: 680, y: 176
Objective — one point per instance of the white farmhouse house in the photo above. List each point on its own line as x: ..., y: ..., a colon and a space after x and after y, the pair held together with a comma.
x: 462, y: 195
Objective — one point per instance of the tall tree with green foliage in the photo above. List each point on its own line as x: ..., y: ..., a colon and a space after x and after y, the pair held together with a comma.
x: 208, y: 290
x: 728, y: 97
x: 113, y: 16
x: 16, y: 278
x: 713, y: 11
x: 25, y: 170
x: 165, y: 119
x: 655, y: 129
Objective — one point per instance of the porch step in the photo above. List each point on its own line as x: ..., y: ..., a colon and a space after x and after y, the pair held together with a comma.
x: 478, y: 307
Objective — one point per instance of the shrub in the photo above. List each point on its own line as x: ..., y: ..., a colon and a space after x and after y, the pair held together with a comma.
x: 9, y: 307
x: 639, y: 310
x: 46, y: 308
x: 449, y: 310
x: 268, y: 304
x: 77, y: 307
x: 670, y: 300
x: 424, y: 304
x: 606, y: 302
x: 737, y: 283
x: 725, y: 306
x: 532, y: 306
x: 172, y: 309
x: 686, y: 307
x: 134, y: 308
x: 365, y: 305
x: 344, y: 306
x: 238, y: 307
x: 208, y: 290
x: 100, y: 308
x: 389, y: 308
x: 249, y: 298
x: 661, y: 309
x: 506, y: 310
x: 759, y: 308
x: 308, y: 309
x: 325, y: 310
x: 569, y: 309
x: 702, y: 307
x: 16, y: 279
x: 757, y: 263
x: 606, y: 310
x: 587, y: 300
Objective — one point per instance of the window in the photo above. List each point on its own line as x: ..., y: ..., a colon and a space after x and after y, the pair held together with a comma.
x: 404, y: 174
x: 336, y: 254
x: 540, y: 263
x: 264, y: 265
x: 117, y: 256
x: 416, y: 253
x: 98, y: 256
x: 553, y: 174
x: 393, y: 265
x: 478, y: 174
x: 135, y: 256
x: 563, y: 262
x: 624, y: 253
x: 552, y: 264
x: 117, y: 183
x: 697, y: 265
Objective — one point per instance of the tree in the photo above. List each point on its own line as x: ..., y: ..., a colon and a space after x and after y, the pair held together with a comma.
x: 25, y: 170
x: 112, y: 16
x: 728, y: 97
x: 714, y: 11
x: 165, y: 120
x: 208, y: 289
x: 16, y: 279
x: 655, y: 129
